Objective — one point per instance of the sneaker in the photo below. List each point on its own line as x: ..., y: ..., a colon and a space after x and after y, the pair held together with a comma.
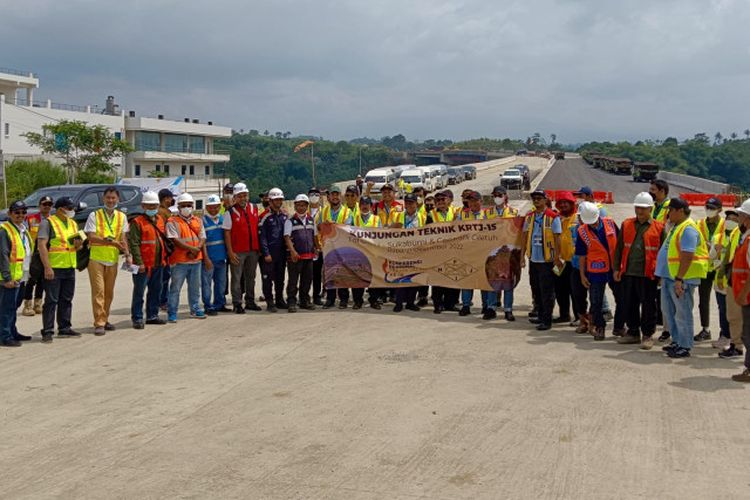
x: 98, y: 331
x: 543, y: 326
x: 199, y: 314
x: 47, y: 338
x: 742, y: 377
x: 465, y: 311
x: 509, y: 316
x: 71, y: 333
x: 722, y: 343
x: 138, y: 325
x: 619, y: 332
x: 11, y: 343
x: 489, y: 314
x: 252, y: 306
x: 398, y: 308
x: 561, y: 319
x: 172, y: 319
x: 109, y: 327
x: 155, y: 321
x: 669, y: 347
x: 412, y: 307
x: 329, y: 304
x: 238, y: 309
x: 664, y: 337
x: 731, y: 352
x: 357, y: 305
x: 292, y: 308
x: 422, y: 302
x: 212, y: 312
x: 703, y: 336
x: 629, y: 339
x: 647, y: 343
x: 679, y: 352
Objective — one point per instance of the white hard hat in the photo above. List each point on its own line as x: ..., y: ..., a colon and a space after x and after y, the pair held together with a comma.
x: 744, y: 208
x: 589, y: 212
x: 276, y: 194
x: 213, y: 200
x: 240, y: 188
x: 302, y: 197
x: 643, y: 200
x: 185, y: 198
x: 150, y: 198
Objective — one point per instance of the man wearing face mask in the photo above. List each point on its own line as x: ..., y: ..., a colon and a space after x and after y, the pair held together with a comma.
x: 317, y: 284
x: 34, y: 288
x: 242, y: 242
x: 189, y: 237
x: 365, y: 218
x: 502, y: 210
x: 474, y: 211
x: 58, y: 241
x: 441, y: 296
x: 15, y: 260
x: 166, y: 203
x: 107, y: 232
x: 147, y: 237
x: 273, y: 249
x: 712, y: 230
x: 730, y: 313
x: 336, y: 213
x: 227, y: 200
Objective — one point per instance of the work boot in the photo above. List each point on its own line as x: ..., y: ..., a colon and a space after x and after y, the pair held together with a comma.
x: 271, y: 307
x: 742, y: 377
x: 21, y: 337
x: 47, y: 338
x: 70, y: 333
x: 343, y: 304
x: 509, y: 316
x: 28, y: 308
x: 292, y: 308
x: 252, y: 306
x: 489, y: 314
x: 281, y: 304
x: 702, y: 336
x: 308, y: 307
x: 38, y: 303
x: 599, y: 333
x: 238, y: 309
x: 465, y: 311
x: 584, y: 323
x: 329, y: 304
x: 318, y: 301
x: 357, y: 305
x: 398, y: 308
x: 11, y: 343
x: 376, y: 305
x: 412, y: 307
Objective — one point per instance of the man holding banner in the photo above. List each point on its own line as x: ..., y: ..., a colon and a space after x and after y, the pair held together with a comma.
x: 410, y: 218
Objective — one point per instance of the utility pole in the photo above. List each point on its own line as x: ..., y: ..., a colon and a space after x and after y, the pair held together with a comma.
x: 312, y: 161
x: 5, y: 181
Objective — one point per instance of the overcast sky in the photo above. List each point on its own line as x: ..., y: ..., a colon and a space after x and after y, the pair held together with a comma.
x: 583, y: 69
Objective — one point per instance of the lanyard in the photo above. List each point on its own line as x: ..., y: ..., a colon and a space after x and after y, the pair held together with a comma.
x: 109, y: 221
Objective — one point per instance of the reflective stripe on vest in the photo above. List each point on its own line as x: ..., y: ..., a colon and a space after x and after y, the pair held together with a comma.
x: 17, y: 251
x: 372, y: 220
x: 506, y: 213
x: 740, y: 270
x: 189, y: 232
x: 148, y: 240
x: 659, y: 212
x: 469, y: 215
x: 341, y: 216
x: 699, y: 265
x: 651, y: 242
x: 438, y: 216
x: 62, y: 252
x: 598, y: 258
x: 106, y: 228
x: 548, y: 237
x: 401, y: 219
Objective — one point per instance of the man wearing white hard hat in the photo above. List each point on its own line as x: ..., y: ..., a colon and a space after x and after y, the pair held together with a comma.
x: 595, y: 248
x: 635, y: 264
x: 242, y: 240
x: 300, y: 236
x: 273, y: 249
x: 147, y: 240
x: 741, y: 286
x: 214, y: 279
x: 186, y: 231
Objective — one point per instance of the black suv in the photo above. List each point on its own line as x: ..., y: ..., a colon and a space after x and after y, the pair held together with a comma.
x: 87, y: 197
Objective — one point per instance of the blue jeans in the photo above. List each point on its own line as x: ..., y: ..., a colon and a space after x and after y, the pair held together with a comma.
x: 218, y: 277
x: 596, y: 296
x: 678, y: 312
x: 489, y: 299
x: 154, y: 283
x: 721, y: 300
x: 180, y: 273
x: 8, y: 301
x: 164, y: 294
x: 507, y: 299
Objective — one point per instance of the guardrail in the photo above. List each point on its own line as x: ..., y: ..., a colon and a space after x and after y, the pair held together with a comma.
x: 17, y: 72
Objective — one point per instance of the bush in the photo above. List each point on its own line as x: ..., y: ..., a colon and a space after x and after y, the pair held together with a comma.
x: 26, y: 176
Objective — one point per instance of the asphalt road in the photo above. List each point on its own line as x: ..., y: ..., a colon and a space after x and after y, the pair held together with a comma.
x: 572, y: 173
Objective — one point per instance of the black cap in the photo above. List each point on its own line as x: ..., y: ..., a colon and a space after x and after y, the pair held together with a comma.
x: 164, y: 193
x: 365, y: 201
x: 713, y: 202
x: 313, y: 190
x: 410, y: 197
x: 538, y: 192
x: 418, y: 189
x: 228, y: 188
x: 678, y: 203
x: 17, y: 205
x: 584, y: 190
x: 448, y: 193
x: 441, y: 194
x: 499, y: 190
x: 386, y: 186
x: 351, y: 188
x: 45, y: 199
x: 66, y: 202
x: 474, y: 195
x: 334, y: 189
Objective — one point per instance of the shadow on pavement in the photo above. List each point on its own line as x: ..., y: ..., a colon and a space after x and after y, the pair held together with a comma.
x: 707, y: 383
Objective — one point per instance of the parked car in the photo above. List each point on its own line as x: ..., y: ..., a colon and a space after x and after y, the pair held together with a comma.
x: 526, y: 173
x: 87, y: 197
x: 455, y: 175
x: 416, y: 178
x: 470, y: 172
x: 512, y: 179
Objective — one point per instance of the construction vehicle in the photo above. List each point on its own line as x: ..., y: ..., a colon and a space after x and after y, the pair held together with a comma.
x: 645, y: 171
x: 559, y: 155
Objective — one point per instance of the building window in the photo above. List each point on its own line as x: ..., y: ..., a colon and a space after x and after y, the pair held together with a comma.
x: 199, y: 204
x: 192, y: 169
x: 137, y: 170
x: 147, y: 141
x: 184, y: 169
x: 175, y: 143
x: 197, y: 145
x: 157, y: 168
x: 118, y: 136
x: 166, y: 169
x: 7, y: 130
x: 208, y: 170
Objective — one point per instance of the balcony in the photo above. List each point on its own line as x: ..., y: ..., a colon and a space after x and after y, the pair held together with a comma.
x: 172, y: 126
x: 175, y: 157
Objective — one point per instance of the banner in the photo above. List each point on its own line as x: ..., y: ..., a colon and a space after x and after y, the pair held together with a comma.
x: 477, y: 255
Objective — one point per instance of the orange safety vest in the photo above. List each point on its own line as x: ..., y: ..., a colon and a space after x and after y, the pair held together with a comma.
x: 651, y: 244
x: 149, y: 238
x: 740, y: 269
x: 598, y: 258
x: 189, y: 232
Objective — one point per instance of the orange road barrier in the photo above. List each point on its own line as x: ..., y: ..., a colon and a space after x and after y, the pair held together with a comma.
x: 699, y: 199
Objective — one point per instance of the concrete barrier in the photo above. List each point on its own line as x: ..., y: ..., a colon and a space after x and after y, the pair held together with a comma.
x: 696, y: 184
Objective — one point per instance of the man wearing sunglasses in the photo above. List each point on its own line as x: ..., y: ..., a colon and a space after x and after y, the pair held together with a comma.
x: 34, y: 289
x: 15, y: 257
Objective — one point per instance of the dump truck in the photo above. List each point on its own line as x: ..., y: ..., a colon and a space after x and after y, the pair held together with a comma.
x: 621, y: 166
x: 559, y: 155
x: 644, y: 171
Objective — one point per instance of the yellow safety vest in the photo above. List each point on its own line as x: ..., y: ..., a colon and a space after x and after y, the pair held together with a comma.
x: 17, y: 251
x: 719, y: 238
x: 659, y: 212
x: 372, y: 221
x: 548, y: 237
x: 353, y: 211
x: 439, y: 217
x: 325, y: 215
x: 506, y: 213
x: 567, y: 247
x: 400, y: 218
x: 469, y: 215
x: 106, y: 228
x: 699, y: 265
x: 62, y: 251
x: 733, y: 242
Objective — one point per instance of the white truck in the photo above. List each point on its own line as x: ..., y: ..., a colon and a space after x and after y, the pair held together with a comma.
x: 416, y: 178
x: 379, y: 177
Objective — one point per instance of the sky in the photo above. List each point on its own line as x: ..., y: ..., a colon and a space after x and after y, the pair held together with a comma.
x: 581, y: 69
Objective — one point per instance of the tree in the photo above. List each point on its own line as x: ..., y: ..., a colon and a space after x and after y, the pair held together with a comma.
x: 553, y: 138
x: 717, y: 138
x: 23, y: 177
x: 734, y: 136
x: 85, y: 150
x: 747, y: 133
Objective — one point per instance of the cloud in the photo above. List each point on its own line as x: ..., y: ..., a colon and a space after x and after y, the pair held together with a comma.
x: 582, y: 69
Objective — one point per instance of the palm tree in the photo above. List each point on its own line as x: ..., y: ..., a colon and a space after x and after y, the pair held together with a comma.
x: 747, y: 133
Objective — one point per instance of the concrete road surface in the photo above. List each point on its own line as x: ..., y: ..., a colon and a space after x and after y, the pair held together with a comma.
x: 364, y: 404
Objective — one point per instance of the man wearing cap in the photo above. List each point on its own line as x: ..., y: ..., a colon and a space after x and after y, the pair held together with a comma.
x: 565, y: 205
x: 730, y: 313
x: 15, y: 260
x: 712, y: 230
x: 336, y: 213
x: 635, y: 266
x: 273, y: 250
x: 107, y: 232
x: 501, y: 209
x: 409, y: 218
x: 441, y: 213
x: 189, y: 238
x: 166, y: 204
x: 681, y: 263
x: 541, y: 244
x: 659, y: 191
x: 387, y: 207
x: 58, y: 241
x: 595, y: 248
x: 741, y: 286
x: 242, y: 243
x: 34, y: 288
x: 213, y: 278
x: 366, y: 219
x: 351, y: 199
x: 147, y: 240
x: 587, y: 194
x: 313, y: 194
x: 300, y: 236
x: 474, y: 211
x: 227, y: 200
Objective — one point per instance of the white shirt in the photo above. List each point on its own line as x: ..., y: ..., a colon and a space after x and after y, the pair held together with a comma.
x: 90, y: 227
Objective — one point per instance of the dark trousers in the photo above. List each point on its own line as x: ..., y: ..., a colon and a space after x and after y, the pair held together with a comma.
x: 451, y: 297
x: 439, y: 296
x: 317, y: 281
x: 638, y: 303
x: 341, y: 293
x: 164, y: 293
x: 358, y: 295
x: 406, y: 295
x: 34, y: 288
x: 746, y: 333
x: 721, y: 301
x: 273, y: 277
x: 58, y: 301
x: 423, y: 292
x: 300, y: 280
x: 704, y: 298
x: 579, y: 293
x: 152, y: 279
x: 563, y: 291
x: 9, y: 299
x: 596, y: 295
x: 374, y: 294
x: 542, y: 282
x: 620, y: 313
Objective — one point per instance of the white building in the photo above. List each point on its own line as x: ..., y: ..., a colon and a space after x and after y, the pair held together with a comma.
x: 173, y: 148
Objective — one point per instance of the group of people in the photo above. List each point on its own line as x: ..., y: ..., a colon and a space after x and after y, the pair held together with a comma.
x: 652, y: 262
